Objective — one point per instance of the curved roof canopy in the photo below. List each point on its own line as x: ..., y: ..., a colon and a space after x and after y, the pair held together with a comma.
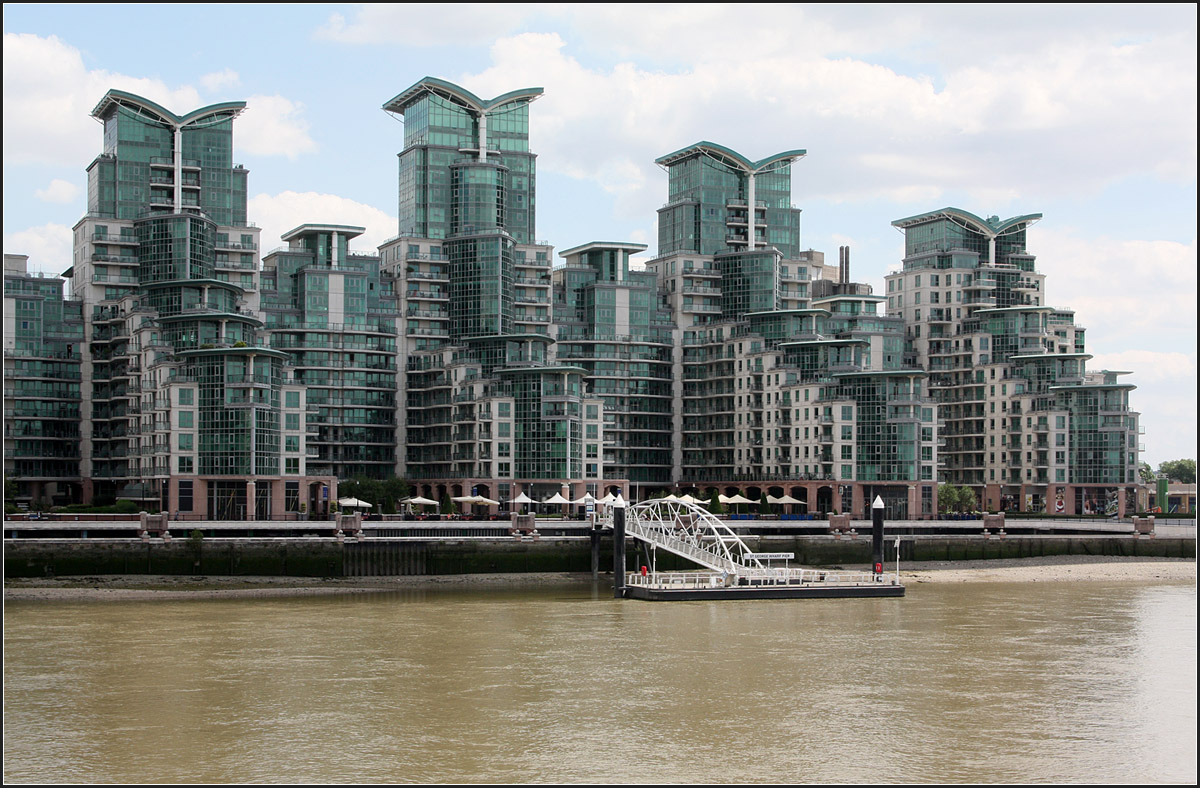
x: 991, y: 227
x: 346, y: 230
x: 731, y: 158
x: 147, y: 108
x: 458, y: 95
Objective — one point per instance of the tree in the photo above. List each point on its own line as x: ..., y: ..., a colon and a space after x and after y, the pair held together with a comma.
x: 967, y: 502
x: 1146, y: 473
x: 714, y: 504
x: 1179, y: 470
x: 948, y: 498
x: 394, y: 489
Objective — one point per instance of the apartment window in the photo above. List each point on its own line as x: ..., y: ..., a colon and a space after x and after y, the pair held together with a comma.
x: 185, y: 495
x: 186, y: 419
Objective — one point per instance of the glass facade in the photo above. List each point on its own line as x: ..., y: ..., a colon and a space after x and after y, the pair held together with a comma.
x: 609, y: 322
x: 335, y: 313
x: 1026, y: 424
x: 182, y: 394
x: 43, y: 338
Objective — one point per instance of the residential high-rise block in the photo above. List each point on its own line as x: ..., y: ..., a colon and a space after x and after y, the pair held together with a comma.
x: 610, y: 322
x: 792, y: 381
x: 1026, y: 425
x: 486, y: 409
x: 184, y: 402
x: 336, y: 314
x: 43, y: 339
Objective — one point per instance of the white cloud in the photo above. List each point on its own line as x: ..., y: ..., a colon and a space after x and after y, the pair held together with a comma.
x: 49, y: 96
x: 1036, y: 118
x: 279, y: 213
x: 59, y: 191
x: 273, y: 126
x: 217, y: 80
x: 49, y: 247
x: 1153, y: 366
x: 1150, y: 284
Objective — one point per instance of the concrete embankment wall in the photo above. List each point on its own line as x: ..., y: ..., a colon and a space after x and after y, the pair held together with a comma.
x: 295, y: 557
x: 385, y: 557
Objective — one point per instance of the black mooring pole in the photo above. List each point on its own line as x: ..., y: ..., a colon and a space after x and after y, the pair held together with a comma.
x: 595, y: 534
x: 877, y: 537
x: 618, y: 549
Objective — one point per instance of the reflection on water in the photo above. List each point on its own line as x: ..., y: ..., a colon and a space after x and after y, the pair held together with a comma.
x: 1071, y: 682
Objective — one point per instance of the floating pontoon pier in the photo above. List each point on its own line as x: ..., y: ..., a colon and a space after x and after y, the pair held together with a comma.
x: 730, y: 570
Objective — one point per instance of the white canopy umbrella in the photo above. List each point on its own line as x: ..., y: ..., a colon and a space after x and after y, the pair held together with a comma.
x: 606, y: 500
x: 475, y: 499
x: 696, y: 501
x: 586, y: 499
x: 670, y: 497
x: 736, y: 499
x: 422, y: 501
x: 522, y: 498
x: 556, y: 498
x: 353, y: 503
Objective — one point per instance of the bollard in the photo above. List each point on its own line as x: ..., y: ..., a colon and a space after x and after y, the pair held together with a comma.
x: 618, y: 548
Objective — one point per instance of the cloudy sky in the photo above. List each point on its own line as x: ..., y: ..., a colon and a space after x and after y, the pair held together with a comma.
x: 1085, y: 116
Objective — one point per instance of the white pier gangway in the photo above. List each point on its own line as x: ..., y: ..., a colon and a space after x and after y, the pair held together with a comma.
x: 692, y: 532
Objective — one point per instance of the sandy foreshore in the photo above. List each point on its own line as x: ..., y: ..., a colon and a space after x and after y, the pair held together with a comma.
x: 1050, y: 569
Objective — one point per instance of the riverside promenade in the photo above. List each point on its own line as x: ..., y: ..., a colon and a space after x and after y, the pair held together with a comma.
x: 352, y: 547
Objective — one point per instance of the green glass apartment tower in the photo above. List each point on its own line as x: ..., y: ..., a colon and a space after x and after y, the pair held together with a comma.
x: 482, y: 401
x: 183, y: 402
x: 43, y: 338
x: 334, y: 312
x: 609, y: 321
x: 792, y: 383
x: 1026, y: 425
x: 719, y: 258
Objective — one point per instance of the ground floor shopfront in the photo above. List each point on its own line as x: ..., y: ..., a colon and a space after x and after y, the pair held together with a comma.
x: 1066, y: 499
x: 229, y: 498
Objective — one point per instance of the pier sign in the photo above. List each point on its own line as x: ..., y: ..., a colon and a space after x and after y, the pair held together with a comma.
x: 772, y: 556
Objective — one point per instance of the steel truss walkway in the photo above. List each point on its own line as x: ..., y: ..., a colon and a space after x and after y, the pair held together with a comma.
x: 690, y: 531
